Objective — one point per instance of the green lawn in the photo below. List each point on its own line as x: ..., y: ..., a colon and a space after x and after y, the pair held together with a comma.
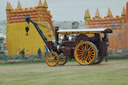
x: 114, y: 72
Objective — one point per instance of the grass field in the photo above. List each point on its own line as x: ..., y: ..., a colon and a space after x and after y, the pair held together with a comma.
x: 114, y: 72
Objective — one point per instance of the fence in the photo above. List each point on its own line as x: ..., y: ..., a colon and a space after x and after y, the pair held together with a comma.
x: 20, y: 58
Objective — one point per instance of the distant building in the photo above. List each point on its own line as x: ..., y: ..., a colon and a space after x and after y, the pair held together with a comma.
x: 16, y: 34
x: 3, y: 26
x: 118, y: 39
x: 2, y: 38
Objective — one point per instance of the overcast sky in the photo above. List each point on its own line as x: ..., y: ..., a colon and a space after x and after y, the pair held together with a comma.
x: 69, y: 10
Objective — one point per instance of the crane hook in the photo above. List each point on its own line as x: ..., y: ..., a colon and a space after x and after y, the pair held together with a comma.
x: 27, y: 29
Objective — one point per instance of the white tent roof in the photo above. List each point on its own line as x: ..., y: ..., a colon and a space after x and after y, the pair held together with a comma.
x: 2, y: 35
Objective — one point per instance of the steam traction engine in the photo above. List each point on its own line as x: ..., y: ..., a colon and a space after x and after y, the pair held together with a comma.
x: 87, y: 46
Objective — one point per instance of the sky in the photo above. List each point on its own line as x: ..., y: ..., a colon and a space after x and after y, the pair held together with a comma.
x: 70, y: 10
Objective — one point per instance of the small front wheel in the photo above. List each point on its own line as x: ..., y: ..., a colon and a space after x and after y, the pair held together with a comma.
x: 51, y: 59
x: 62, y: 59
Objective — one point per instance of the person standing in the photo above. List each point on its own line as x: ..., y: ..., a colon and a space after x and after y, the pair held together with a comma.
x: 6, y: 54
x: 39, y: 53
x: 22, y: 52
x: 28, y: 54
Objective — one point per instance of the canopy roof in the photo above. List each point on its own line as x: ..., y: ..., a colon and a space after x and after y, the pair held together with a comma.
x: 84, y: 31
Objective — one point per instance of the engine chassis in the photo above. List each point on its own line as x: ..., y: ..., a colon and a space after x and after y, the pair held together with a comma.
x: 67, y: 46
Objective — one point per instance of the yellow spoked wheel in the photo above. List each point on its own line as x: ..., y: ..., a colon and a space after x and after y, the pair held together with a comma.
x: 51, y: 59
x: 62, y: 59
x: 85, y: 53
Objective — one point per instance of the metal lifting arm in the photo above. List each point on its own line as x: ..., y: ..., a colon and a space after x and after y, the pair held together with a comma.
x: 28, y: 20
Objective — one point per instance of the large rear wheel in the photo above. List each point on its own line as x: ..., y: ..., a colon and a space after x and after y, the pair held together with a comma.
x: 51, y: 59
x: 85, y: 53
